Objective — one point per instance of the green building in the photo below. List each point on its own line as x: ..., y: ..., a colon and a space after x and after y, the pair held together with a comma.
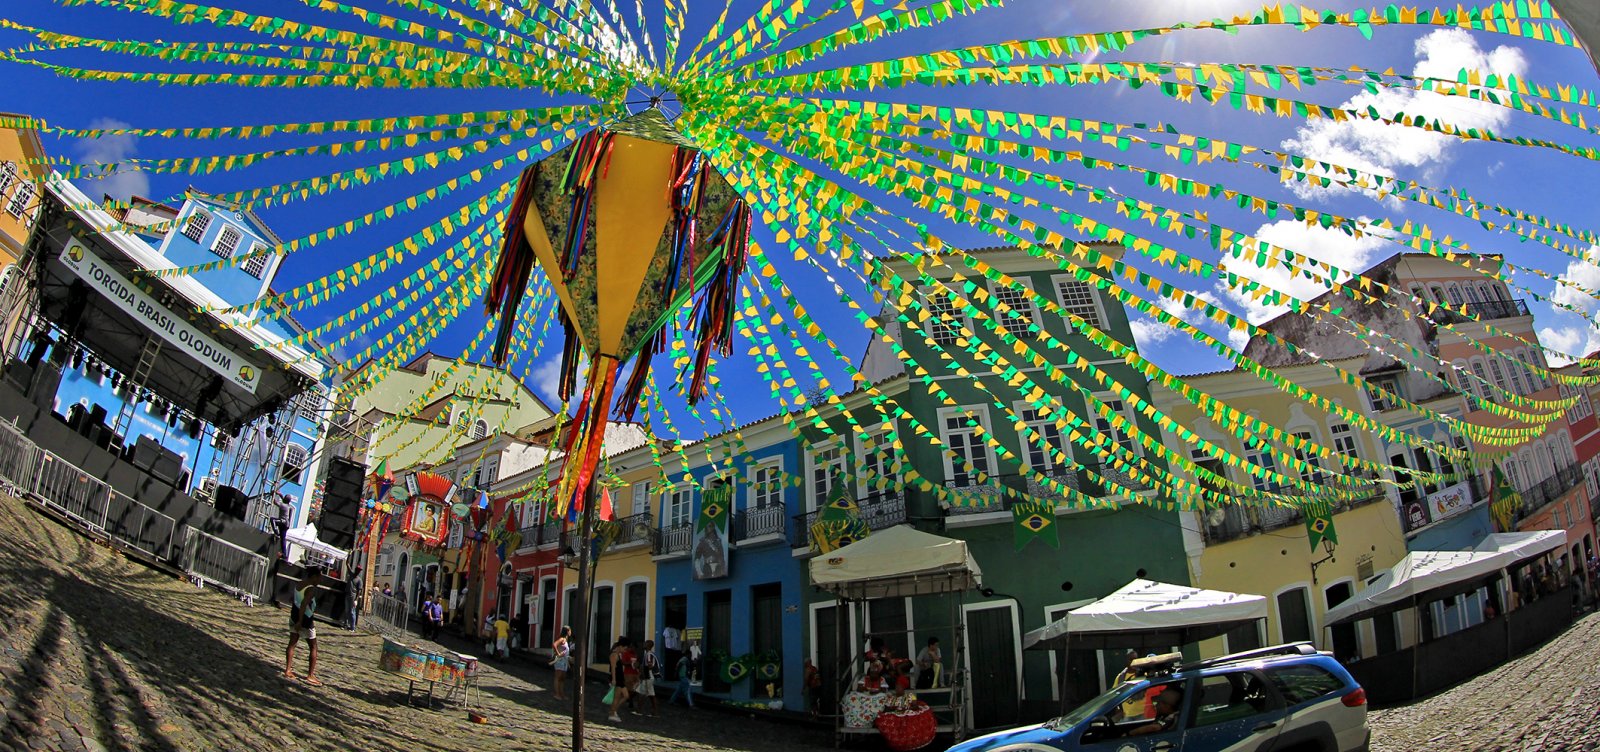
x: 991, y: 439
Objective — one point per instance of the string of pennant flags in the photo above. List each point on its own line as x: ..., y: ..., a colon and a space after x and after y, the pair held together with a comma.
x: 856, y: 187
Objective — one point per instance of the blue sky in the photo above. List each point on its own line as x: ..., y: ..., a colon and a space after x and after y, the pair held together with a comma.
x: 1561, y: 187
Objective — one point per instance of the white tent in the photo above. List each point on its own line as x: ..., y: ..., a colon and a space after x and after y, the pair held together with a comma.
x: 899, y: 561
x: 1144, y: 613
x: 303, y: 540
x: 1437, y: 572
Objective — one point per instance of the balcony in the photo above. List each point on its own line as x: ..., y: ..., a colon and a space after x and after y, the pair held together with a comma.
x: 541, y: 535
x: 635, y: 530
x: 754, y: 522
x: 1541, y: 494
x: 675, y: 540
x: 1498, y: 309
x: 880, y: 510
x: 1236, y: 521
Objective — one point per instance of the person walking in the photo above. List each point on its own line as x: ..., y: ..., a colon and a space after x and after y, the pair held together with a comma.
x: 426, y: 612
x: 502, y: 636
x: 619, y: 661
x: 684, y: 688
x: 562, y: 661
x: 649, y: 672
x: 436, y: 618
x: 813, y: 687
x: 302, y: 623
x: 358, y: 594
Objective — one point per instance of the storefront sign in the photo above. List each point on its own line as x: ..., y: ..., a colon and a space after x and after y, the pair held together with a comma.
x: 694, y: 634
x: 158, y: 318
x: 1449, y: 502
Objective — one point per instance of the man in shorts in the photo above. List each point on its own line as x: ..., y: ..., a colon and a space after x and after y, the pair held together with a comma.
x: 302, y: 623
x: 649, y: 669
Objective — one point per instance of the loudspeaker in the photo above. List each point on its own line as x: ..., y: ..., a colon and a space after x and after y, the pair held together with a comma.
x: 230, y: 501
x: 341, y: 503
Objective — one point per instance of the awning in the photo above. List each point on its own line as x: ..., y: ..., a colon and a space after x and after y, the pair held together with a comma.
x: 306, y: 538
x: 1147, y: 614
x: 899, y: 561
x: 1439, y: 574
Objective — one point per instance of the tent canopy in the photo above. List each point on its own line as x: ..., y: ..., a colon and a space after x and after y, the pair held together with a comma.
x: 306, y: 538
x: 1439, y: 574
x: 1147, y: 614
x: 899, y: 561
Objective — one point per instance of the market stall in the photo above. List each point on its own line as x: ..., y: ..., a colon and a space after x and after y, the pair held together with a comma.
x: 1144, y: 615
x: 899, y: 562
x: 1427, y: 584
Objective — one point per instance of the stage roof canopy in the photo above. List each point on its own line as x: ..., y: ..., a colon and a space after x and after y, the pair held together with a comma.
x: 222, y: 366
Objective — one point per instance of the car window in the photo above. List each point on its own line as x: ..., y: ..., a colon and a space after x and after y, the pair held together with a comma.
x: 1231, y: 697
x: 1303, y: 682
x: 1084, y: 711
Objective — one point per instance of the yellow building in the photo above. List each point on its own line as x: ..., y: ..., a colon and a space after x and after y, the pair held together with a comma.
x: 1266, y: 550
x: 624, y: 578
x: 21, y: 170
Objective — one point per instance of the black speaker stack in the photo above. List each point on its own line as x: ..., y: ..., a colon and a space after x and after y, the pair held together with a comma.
x: 231, y: 501
x: 341, y: 503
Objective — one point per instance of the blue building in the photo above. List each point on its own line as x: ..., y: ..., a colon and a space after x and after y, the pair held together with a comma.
x: 272, y: 455
x: 752, y: 601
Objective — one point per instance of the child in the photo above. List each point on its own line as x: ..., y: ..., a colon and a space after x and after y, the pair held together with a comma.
x: 684, y: 687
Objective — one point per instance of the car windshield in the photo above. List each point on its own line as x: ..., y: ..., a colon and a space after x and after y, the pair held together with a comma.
x: 1085, y: 711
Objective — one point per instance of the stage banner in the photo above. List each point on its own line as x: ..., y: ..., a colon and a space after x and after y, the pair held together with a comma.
x: 168, y: 325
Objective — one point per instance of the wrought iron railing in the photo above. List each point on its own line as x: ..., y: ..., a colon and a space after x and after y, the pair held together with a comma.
x: 1541, y: 494
x: 1498, y: 309
x: 675, y: 539
x: 880, y: 510
x: 1236, y: 521
x: 754, y: 522
x: 636, y: 529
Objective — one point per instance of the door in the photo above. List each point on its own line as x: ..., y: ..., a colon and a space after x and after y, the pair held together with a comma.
x: 992, y: 666
x: 719, y: 636
x: 1345, y: 644
x: 601, y: 628
x: 547, y: 612
x: 831, y: 648
x: 1235, y: 711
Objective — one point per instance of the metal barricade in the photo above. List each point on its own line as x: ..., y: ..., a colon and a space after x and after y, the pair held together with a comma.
x: 388, y: 615
x: 140, y: 527
x: 216, y: 561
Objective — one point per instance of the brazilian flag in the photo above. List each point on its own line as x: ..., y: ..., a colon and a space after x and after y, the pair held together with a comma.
x: 1319, y: 523
x: 839, y: 523
x: 1504, y: 501
x: 1034, y: 519
x: 715, y: 501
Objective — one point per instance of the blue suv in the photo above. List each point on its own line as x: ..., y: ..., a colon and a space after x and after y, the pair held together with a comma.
x: 1288, y: 698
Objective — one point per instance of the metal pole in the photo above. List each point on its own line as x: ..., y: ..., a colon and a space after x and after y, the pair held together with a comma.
x: 580, y: 633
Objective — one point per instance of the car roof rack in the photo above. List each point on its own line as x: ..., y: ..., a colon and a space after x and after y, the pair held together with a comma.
x: 1293, y: 648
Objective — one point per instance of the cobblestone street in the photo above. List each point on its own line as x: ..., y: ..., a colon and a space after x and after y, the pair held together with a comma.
x: 102, y: 653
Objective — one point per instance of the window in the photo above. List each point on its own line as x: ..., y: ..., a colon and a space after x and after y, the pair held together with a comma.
x: 1229, y: 697
x: 827, y: 469
x: 8, y: 175
x: 256, y: 265
x: 641, y: 497
x: 964, y: 449
x: 877, y: 462
x: 1077, y: 298
x: 939, y: 330
x: 1384, y: 392
x: 1123, y: 436
x: 20, y: 199
x: 1040, y: 459
x: 294, y: 461
x: 1454, y: 291
x: 1514, y: 375
x: 766, y: 486
x: 678, y: 505
x: 491, y: 471
x: 1022, y: 315
x: 1344, y: 441
x: 195, y: 228
x: 227, y: 242
x: 480, y: 429
x: 1302, y: 682
x: 1474, y: 295
x: 1294, y: 617
x: 1313, y: 470
x: 477, y: 477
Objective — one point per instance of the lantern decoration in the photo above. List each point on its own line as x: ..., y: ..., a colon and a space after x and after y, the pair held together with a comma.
x: 629, y: 223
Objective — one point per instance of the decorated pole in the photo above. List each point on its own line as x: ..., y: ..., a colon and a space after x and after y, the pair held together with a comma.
x: 580, y: 634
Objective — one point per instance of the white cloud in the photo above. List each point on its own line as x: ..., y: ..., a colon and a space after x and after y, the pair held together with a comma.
x: 1147, y: 331
x: 111, y: 149
x: 1370, y: 146
x: 1345, y: 252
x: 1575, y: 334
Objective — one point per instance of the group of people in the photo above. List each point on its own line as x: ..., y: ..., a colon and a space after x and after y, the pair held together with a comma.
x: 883, y: 671
x: 633, y: 676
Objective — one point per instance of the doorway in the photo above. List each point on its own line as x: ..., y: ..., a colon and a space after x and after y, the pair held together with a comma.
x: 1346, y: 645
x: 719, y: 635
x: 992, y: 664
x: 547, y: 611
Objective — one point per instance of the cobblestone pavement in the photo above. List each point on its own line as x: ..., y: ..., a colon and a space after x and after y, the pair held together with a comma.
x: 100, y: 653
x: 1547, y: 700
